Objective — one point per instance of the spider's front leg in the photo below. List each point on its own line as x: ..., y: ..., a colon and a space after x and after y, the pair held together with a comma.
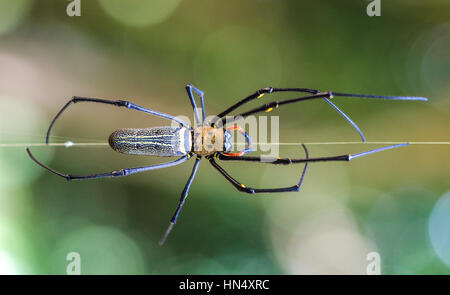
x: 190, y: 89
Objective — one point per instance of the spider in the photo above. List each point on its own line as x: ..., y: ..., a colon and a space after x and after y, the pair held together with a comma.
x: 211, y: 140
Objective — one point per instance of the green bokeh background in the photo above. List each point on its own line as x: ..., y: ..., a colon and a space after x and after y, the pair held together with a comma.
x: 395, y: 203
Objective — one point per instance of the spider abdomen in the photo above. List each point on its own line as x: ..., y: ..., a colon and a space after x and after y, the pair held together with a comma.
x: 163, y: 141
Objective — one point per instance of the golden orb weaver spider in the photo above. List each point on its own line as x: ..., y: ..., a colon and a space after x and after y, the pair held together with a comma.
x: 210, y: 140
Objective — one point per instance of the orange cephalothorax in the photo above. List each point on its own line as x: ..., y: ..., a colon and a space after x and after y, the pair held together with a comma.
x: 208, y: 140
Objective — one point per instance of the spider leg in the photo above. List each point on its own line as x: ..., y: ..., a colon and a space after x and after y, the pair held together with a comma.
x: 286, y: 161
x: 346, y: 118
x: 116, y: 173
x: 327, y: 96
x: 118, y: 103
x: 259, y: 93
x: 189, y: 89
x: 241, y: 187
x: 183, y: 198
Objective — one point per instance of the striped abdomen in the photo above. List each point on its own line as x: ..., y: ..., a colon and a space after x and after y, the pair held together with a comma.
x: 159, y: 141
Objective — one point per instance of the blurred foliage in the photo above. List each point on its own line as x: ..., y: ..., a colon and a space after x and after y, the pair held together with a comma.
x: 147, y: 51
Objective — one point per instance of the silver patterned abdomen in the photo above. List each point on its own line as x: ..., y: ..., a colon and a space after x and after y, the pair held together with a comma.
x: 158, y: 141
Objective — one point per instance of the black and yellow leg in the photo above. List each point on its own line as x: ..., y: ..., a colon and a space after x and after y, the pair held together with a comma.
x: 288, y: 161
x: 260, y: 93
x: 242, y: 188
x: 273, y: 105
x: 315, y: 94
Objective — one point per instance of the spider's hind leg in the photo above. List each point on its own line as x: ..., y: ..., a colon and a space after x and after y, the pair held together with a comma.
x: 118, y: 103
